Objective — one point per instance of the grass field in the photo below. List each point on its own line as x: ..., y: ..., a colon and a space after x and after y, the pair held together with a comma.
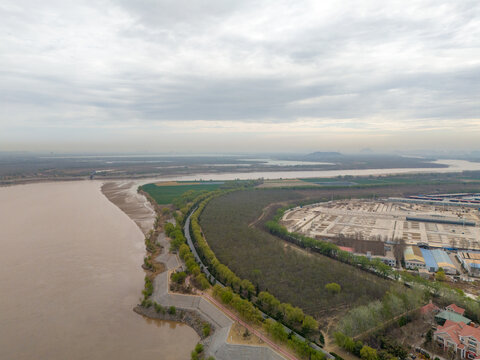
x: 291, y: 275
x: 166, y: 193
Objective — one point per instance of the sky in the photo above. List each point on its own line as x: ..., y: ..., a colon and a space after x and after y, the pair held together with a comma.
x: 227, y: 76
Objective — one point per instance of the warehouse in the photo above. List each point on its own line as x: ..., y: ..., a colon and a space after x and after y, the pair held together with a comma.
x: 413, y: 258
x: 435, y: 259
x: 470, y: 262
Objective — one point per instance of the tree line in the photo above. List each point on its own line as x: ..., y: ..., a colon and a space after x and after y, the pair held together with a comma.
x: 291, y: 316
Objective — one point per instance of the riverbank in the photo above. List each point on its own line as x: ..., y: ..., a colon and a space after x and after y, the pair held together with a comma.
x: 137, y: 207
x: 185, y: 316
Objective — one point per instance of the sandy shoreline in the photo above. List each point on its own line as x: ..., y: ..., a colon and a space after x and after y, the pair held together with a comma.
x: 125, y: 196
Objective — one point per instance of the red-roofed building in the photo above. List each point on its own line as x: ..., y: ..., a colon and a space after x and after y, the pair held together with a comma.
x: 429, y: 308
x: 346, y: 248
x: 455, y: 308
x: 464, y: 339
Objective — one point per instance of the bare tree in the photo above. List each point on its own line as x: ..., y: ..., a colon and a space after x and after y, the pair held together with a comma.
x: 398, y: 249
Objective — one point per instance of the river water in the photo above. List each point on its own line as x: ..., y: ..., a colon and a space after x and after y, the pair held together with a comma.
x: 69, y: 277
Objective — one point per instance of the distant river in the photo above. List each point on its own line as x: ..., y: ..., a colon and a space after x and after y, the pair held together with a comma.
x: 69, y: 277
x: 453, y: 166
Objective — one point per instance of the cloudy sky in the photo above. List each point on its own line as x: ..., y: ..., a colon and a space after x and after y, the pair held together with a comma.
x: 223, y: 75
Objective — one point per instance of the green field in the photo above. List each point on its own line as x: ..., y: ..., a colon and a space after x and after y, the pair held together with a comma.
x: 289, y: 274
x: 166, y: 194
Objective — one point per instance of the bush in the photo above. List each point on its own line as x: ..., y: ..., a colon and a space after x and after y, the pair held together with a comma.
x: 333, y: 288
x: 146, y: 303
x: 148, y: 290
x: 206, y: 329
x: 159, y: 308
x: 199, y: 348
x: 172, y: 310
x: 179, y: 277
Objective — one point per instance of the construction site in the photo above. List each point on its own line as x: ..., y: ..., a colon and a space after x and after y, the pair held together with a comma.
x: 420, y: 223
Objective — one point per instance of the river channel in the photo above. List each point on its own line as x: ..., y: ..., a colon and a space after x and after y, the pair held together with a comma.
x: 69, y: 277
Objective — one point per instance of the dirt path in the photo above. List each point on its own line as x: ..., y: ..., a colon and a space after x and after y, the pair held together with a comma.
x: 265, y: 212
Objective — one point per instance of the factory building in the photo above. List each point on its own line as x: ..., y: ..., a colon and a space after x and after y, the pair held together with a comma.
x: 413, y: 258
x: 435, y: 259
x: 470, y: 262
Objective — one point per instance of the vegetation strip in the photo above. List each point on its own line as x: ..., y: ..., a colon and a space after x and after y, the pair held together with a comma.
x: 245, y: 291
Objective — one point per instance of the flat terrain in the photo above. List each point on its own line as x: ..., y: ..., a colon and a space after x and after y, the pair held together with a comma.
x: 388, y: 220
x: 165, y: 194
x: 233, y: 226
x: 290, y: 275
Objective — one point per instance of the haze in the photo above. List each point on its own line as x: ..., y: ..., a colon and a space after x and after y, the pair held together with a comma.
x: 239, y: 75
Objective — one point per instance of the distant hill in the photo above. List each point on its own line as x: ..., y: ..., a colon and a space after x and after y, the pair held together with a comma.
x: 320, y: 154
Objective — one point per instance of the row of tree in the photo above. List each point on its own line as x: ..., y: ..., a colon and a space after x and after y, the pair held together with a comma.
x: 293, y: 317
x: 178, y: 242
x: 327, y: 248
x: 244, y: 307
x: 302, y: 348
x: 250, y: 313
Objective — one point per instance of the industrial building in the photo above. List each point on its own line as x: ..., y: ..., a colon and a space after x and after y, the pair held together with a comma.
x: 470, y: 261
x: 434, y: 226
x: 413, y: 258
x: 435, y: 259
x: 461, y: 199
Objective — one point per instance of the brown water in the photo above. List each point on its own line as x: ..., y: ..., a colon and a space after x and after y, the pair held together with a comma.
x: 69, y: 277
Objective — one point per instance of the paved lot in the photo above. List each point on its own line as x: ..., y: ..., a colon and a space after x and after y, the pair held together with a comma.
x: 387, y: 220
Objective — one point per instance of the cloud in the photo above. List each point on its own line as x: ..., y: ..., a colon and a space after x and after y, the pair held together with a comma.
x: 124, y: 64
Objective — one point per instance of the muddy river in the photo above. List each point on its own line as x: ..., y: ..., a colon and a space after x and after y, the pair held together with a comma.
x: 70, y: 275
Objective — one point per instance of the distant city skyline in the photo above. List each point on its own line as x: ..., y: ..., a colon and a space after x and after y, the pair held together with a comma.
x: 239, y: 76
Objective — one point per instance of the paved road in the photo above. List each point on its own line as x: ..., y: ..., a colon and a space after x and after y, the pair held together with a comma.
x: 186, y: 230
x: 251, y: 329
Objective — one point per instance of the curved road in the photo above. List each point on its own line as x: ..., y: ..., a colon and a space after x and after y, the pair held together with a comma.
x: 186, y: 230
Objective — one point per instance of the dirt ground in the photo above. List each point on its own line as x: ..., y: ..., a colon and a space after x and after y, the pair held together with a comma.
x: 236, y: 336
x: 411, y: 334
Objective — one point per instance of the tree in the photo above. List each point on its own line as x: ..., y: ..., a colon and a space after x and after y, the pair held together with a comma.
x: 368, y: 353
x: 428, y: 336
x: 333, y: 288
x: 179, y: 277
x: 309, y: 324
x: 398, y: 249
x: 440, y: 275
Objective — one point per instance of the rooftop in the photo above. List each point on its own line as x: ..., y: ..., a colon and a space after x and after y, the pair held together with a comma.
x: 455, y: 308
x: 413, y: 253
x: 453, y: 316
x: 455, y: 330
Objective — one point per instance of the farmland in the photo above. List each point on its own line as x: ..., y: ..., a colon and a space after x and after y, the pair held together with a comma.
x: 369, y: 181
x: 166, y: 193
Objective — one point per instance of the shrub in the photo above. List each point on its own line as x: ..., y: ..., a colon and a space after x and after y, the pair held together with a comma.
x: 179, y: 277
x: 158, y: 307
x: 206, y: 329
x: 172, y: 310
x: 333, y: 288
x: 199, y: 348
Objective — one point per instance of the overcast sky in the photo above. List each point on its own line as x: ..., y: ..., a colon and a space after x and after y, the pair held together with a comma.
x: 222, y: 75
